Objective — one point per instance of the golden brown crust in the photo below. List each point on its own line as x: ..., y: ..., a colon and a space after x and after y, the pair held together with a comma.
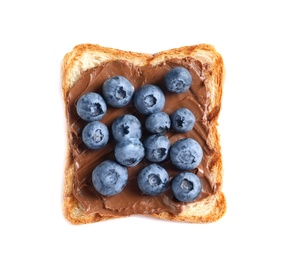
x: 86, y: 56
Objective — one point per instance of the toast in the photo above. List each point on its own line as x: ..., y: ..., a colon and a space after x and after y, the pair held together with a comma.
x: 84, y: 69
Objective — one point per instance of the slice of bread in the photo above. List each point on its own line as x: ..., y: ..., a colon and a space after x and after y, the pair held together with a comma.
x: 210, y: 70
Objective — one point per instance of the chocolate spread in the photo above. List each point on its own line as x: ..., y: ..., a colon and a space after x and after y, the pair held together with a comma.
x: 130, y: 200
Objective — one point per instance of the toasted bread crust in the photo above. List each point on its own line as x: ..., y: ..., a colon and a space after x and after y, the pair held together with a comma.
x: 87, y: 56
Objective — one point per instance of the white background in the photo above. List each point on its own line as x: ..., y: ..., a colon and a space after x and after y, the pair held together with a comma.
x: 254, y: 38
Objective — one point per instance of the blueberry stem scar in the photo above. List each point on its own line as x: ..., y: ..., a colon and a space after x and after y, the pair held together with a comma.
x: 186, y: 185
x: 150, y: 101
x: 120, y: 93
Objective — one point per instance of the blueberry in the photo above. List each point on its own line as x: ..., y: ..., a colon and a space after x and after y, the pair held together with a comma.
x: 129, y: 152
x: 152, y: 180
x: 186, y: 154
x: 186, y: 186
x: 95, y: 135
x: 183, y: 120
x: 178, y: 80
x: 149, y: 99
x: 91, y: 107
x: 117, y: 91
x: 125, y: 127
x: 158, y: 123
x: 109, y: 178
x: 156, y: 148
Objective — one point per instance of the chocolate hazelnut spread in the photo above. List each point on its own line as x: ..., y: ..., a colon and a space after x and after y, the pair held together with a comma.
x: 130, y: 200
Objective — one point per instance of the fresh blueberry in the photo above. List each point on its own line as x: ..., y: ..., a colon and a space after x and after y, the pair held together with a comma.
x: 95, y: 135
x: 109, y: 178
x: 149, y: 99
x: 117, y: 91
x: 152, y: 180
x: 186, y: 154
x: 183, y: 120
x: 186, y: 186
x: 156, y: 147
x: 125, y: 127
x: 158, y: 123
x: 91, y: 107
x: 129, y: 152
x: 178, y: 80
